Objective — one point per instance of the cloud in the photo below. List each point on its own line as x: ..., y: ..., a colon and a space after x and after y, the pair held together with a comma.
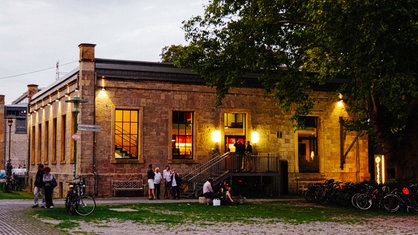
x: 38, y: 33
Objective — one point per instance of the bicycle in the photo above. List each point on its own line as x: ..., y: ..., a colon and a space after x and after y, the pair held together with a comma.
x: 407, y: 198
x: 77, y: 201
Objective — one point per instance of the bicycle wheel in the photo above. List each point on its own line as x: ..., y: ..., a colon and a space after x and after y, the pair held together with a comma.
x: 310, y: 195
x: 69, y: 204
x: 391, y: 203
x: 86, y: 205
x: 354, y: 199
x: 363, y: 202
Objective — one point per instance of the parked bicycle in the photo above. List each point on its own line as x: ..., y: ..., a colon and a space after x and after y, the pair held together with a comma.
x: 77, y: 201
x: 406, y: 198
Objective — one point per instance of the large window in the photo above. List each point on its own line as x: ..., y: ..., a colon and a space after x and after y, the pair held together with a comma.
x: 63, y: 138
x: 308, y: 145
x: 126, y: 133
x: 182, y: 135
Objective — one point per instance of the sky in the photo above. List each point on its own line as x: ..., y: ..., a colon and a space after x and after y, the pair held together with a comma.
x: 36, y: 34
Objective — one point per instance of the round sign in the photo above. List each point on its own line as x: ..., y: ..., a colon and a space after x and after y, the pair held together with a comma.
x: 76, y: 136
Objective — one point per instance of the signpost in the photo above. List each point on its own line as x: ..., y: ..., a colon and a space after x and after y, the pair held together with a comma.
x: 87, y: 127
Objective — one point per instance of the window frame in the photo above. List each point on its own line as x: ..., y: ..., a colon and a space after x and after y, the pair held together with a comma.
x: 308, y: 137
x: 139, y: 138
x: 173, y: 137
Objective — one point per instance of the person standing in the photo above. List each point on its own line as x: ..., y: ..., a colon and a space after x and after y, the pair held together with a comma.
x: 167, y: 184
x: 240, y: 151
x: 38, y: 189
x: 157, y: 182
x: 151, y: 186
x: 48, y: 188
x: 175, y: 184
x: 249, y: 157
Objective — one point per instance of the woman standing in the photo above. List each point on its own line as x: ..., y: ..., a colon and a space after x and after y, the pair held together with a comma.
x: 150, y: 175
x: 48, y: 188
x: 157, y: 182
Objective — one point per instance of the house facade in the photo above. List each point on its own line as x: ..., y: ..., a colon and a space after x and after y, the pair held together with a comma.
x: 131, y: 114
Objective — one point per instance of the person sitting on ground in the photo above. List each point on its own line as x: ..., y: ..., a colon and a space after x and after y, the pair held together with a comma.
x: 228, y: 197
x: 208, y: 190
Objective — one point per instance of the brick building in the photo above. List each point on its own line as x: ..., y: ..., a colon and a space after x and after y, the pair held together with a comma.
x: 154, y: 113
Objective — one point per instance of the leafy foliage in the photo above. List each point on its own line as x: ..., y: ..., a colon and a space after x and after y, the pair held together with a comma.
x: 370, y: 45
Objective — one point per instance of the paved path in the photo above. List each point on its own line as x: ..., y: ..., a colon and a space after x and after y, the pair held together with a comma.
x: 14, y: 219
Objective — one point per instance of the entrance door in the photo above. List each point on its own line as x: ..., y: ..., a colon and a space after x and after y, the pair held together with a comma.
x: 230, y: 140
x: 233, y: 162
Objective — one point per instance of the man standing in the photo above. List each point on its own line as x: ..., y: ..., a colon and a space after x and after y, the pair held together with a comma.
x: 167, y: 184
x: 38, y: 189
x: 240, y: 151
x: 175, y: 184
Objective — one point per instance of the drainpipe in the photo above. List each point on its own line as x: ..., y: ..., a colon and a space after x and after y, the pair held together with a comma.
x: 94, y: 138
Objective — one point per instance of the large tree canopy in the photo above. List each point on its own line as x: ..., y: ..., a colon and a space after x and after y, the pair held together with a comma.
x: 372, y: 44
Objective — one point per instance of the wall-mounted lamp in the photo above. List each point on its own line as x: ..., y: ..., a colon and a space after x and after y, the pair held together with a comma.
x: 255, y: 137
x: 103, y: 83
x: 216, y: 136
x: 341, y: 100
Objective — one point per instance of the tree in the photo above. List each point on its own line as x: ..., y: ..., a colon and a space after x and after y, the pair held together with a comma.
x: 371, y: 45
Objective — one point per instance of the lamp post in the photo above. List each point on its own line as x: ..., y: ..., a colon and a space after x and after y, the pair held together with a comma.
x: 76, y: 100
x: 9, y: 163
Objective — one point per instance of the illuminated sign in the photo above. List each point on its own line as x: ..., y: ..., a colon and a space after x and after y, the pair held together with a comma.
x: 379, y: 166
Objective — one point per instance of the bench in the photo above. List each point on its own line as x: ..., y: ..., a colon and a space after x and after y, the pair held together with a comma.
x: 130, y: 187
x: 303, y: 184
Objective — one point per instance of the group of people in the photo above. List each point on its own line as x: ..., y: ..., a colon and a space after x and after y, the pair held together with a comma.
x: 224, y: 193
x: 44, y: 187
x: 172, y: 183
x: 244, y: 153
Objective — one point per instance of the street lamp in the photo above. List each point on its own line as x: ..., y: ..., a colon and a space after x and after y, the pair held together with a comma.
x: 9, y: 163
x: 76, y: 101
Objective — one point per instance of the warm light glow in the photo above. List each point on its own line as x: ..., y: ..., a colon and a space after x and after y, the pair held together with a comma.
x: 383, y: 169
x: 380, y: 169
x: 340, y: 104
x: 255, y: 137
x: 102, y: 94
x: 216, y: 136
x: 103, y: 83
x: 340, y: 96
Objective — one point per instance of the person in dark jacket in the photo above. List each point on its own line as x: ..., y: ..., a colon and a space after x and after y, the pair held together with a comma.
x: 175, y: 184
x: 38, y: 189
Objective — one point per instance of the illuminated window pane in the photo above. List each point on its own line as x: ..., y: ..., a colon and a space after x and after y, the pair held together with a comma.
x: 182, y: 135
x: 308, y: 145
x: 126, y: 134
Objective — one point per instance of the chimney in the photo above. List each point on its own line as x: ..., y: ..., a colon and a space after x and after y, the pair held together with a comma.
x: 32, y: 89
x: 86, y: 52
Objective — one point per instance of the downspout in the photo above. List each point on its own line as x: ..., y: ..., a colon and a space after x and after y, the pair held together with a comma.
x: 94, y: 137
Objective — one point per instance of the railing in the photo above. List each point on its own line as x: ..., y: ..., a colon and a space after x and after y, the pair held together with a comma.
x: 219, y: 166
x: 252, y: 163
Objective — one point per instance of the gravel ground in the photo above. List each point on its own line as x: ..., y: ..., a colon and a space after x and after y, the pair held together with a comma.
x: 392, y: 225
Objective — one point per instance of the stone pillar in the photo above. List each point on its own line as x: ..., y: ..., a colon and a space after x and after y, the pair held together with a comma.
x: 86, y: 89
x: 32, y: 90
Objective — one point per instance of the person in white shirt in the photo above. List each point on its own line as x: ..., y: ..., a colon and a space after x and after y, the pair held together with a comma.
x: 157, y: 182
x: 167, y: 184
x: 208, y: 189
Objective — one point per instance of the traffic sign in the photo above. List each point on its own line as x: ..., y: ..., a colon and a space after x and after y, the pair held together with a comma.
x: 76, y: 136
x: 87, y: 127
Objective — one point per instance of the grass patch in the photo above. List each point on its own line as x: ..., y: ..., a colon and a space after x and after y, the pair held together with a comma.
x: 290, y: 212
x: 15, y: 195
x: 175, y: 214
